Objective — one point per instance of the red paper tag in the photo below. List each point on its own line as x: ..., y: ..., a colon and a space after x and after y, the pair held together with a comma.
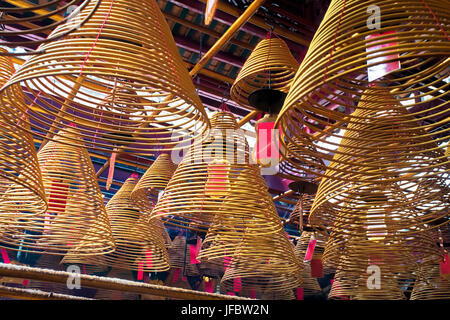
x: 209, y: 286
x: 148, y: 259
x: 381, y: 69
x: 5, y: 255
x: 252, y: 293
x: 226, y: 262
x: 140, y: 274
x: 445, y: 266
x: 237, y: 284
x: 310, y: 250
x: 316, y: 268
x: 299, y: 293
x: 176, y: 274
x: 25, y: 282
x: 194, y: 249
x: 184, y: 278
x: 266, y: 147
x: 112, y: 162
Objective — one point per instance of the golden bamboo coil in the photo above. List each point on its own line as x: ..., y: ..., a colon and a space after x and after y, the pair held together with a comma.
x: 32, y: 19
x: 396, y: 260
x: 179, y: 257
x: 301, y: 163
x: 76, y: 216
x: 266, y: 262
x: 430, y: 283
x: 304, y: 240
x: 232, y: 223
x: 334, y: 74
x: 378, y: 167
x: 20, y: 177
x: 119, y: 77
x: 154, y: 180
x: 342, y: 286
x: 204, y: 177
x: 302, y: 208
x: 139, y: 242
x: 270, y: 65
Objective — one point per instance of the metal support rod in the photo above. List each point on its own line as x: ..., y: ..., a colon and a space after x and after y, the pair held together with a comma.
x: 285, y: 194
x: 246, y: 15
x: 32, y: 294
x: 48, y: 275
x: 248, y: 117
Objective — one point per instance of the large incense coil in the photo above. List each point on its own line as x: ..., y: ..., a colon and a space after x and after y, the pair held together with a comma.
x: 310, y: 285
x: 383, y: 139
x: 231, y: 224
x: 139, y: 242
x: 270, y: 65
x: 154, y: 180
x: 267, y: 262
x: 20, y: 176
x: 301, y: 209
x: 355, y: 250
x: 333, y: 74
x: 303, y: 242
x: 76, y: 216
x: 300, y: 163
x: 389, y: 288
x: 31, y: 20
x: 127, y: 90
x: 179, y: 257
x: 204, y: 178
x: 397, y: 260
x: 430, y: 284
x: 409, y: 182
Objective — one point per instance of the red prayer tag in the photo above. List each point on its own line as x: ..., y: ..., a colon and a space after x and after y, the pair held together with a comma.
x: 316, y: 268
x: 299, y: 293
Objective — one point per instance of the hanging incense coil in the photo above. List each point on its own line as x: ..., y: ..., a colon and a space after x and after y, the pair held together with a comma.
x: 269, y: 66
x: 310, y: 285
x: 306, y: 236
x: 231, y: 224
x: 140, y: 245
x: 154, y: 180
x: 410, y: 183
x: 202, y: 180
x: 430, y: 284
x: 301, y: 209
x: 30, y: 20
x: 76, y: 214
x: 20, y: 177
x: 266, y: 262
x: 301, y: 163
x: 125, y: 86
x: 179, y: 257
x: 411, y: 43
